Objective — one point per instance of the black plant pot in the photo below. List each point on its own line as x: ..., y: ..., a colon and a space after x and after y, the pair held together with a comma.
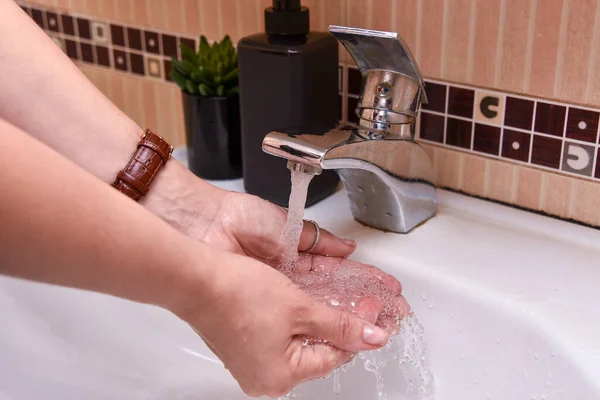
x: 212, y: 131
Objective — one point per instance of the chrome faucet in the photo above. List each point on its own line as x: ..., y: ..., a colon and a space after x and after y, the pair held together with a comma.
x: 388, y: 176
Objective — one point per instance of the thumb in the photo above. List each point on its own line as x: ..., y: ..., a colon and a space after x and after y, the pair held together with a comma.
x: 344, y: 330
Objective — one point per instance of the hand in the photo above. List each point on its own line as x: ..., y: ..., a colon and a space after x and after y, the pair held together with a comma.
x: 234, y: 222
x: 254, y: 319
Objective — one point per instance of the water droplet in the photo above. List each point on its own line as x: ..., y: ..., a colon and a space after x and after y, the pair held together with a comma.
x: 462, y: 356
x: 548, y: 383
x: 553, y: 354
x: 497, y: 341
x: 520, y: 295
x: 477, y: 381
x: 337, y: 389
x: 487, y: 396
x: 431, y: 306
x: 360, y: 189
x: 424, y: 297
x: 389, y: 215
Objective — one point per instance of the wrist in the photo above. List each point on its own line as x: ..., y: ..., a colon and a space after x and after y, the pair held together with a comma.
x: 183, y: 200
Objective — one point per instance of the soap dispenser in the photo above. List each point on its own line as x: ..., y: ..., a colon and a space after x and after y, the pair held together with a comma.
x: 288, y: 82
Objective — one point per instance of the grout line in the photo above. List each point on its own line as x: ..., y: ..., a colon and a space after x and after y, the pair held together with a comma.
x: 530, y: 38
x: 500, y: 41
x: 445, y: 17
x: 562, y: 42
x: 392, y: 16
x: 532, y: 130
x: 592, y: 64
x: 446, y: 114
x: 418, y: 29
x: 471, y: 51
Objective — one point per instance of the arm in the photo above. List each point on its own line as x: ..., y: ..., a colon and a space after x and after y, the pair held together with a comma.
x: 48, y: 97
x: 60, y: 225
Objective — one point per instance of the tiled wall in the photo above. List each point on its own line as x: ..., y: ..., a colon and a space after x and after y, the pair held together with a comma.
x: 514, y: 85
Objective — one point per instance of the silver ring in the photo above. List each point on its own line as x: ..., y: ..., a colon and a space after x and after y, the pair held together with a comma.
x: 317, y: 237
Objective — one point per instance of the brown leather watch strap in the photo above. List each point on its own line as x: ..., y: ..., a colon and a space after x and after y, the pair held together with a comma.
x: 151, y: 154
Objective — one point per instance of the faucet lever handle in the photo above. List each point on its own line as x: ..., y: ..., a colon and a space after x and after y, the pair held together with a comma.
x: 393, y: 87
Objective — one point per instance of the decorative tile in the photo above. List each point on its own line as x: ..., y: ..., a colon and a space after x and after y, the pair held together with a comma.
x: 136, y: 62
x: 87, y: 52
x: 38, y: 17
x: 83, y: 28
x: 489, y: 107
x: 582, y: 125
x: 486, y: 139
x: 436, y: 97
x: 151, y: 42
x: 120, y: 59
x: 352, y: 104
x: 432, y: 127
x: 354, y: 81
x: 189, y: 41
x: 27, y: 10
x: 60, y: 42
x: 578, y: 158
x: 134, y: 39
x: 458, y: 132
x: 67, y: 24
x: 167, y: 68
x: 515, y: 145
x: 597, y: 173
x: 550, y: 118
x: 71, y: 49
x: 169, y: 45
x: 460, y: 102
x: 102, y: 56
x: 52, y: 21
x: 100, y: 32
x: 518, y: 113
x: 546, y: 151
x: 117, y: 34
x: 154, y: 67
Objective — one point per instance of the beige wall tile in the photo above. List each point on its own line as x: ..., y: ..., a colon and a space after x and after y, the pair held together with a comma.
x: 585, y: 201
x: 486, y: 42
x: 529, y: 187
x: 209, y: 11
x: 431, y: 38
x: 499, y: 180
x: 179, y: 126
x: 156, y: 12
x: 557, y: 194
x: 404, y: 22
x: 358, y: 13
x: 514, y: 45
x: 455, y: 53
x: 164, y: 117
x: 149, y: 104
x: 191, y: 21
x: 545, y: 47
x: 592, y: 95
x: 447, y: 164
x: 381, y: 15
x: 78, y: 6
x: 229, y: 16
x: 120, y: 10
x: 249, y: 17
x: 314, y: 7
x: 116, y: 90
x: 132, y: 87
x: 473, y: 174
x: 174, y: 15
x: 573, y: 74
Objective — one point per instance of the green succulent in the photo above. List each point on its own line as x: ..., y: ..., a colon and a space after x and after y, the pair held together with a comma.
x: 211, y: 72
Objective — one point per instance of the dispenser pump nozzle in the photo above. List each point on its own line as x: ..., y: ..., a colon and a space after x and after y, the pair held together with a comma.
x: 287, y: 18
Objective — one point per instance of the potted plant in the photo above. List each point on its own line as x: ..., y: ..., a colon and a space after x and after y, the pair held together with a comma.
x: 208, y: 80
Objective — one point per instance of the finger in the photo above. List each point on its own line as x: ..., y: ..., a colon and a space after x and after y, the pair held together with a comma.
x: 344, y: 330
x: 368, y: 309
x: 319, y: 360
x: 328, y: 245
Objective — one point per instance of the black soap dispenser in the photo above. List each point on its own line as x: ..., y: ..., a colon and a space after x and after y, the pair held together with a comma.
x: 288, y: 83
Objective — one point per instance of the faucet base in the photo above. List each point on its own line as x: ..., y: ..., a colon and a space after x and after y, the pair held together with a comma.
x: 374, y: 204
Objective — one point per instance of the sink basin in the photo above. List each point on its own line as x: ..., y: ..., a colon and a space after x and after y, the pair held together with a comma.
x: 509, y: 304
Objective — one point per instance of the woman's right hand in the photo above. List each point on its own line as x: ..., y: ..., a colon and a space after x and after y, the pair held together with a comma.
x: 255, y: 319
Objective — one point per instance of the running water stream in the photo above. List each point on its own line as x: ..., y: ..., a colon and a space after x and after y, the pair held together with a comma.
x: 345, y: 286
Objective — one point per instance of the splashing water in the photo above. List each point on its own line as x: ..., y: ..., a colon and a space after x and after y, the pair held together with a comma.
x: 345, y: 285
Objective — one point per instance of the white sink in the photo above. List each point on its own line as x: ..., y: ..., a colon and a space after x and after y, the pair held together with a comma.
x: 511, y: 311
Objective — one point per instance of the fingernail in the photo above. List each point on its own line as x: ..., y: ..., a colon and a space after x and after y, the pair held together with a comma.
x: 349, y: 242
x: 374, y: 335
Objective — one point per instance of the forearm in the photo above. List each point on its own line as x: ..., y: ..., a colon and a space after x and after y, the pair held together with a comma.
x: 47, y: 96
x: 60, y: 225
